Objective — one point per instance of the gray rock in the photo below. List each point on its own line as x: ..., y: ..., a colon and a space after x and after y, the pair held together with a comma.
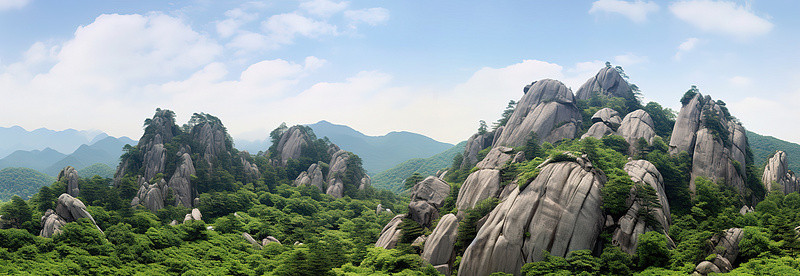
x: 252, y: 241
x: 419, y: 241
x: 559, y: 212
x: 312, y: 177
x: 496, y: 158
x: 364, y: 182
x: 51, y: 224
x: 607, y: 116
x: 251, y: 171
x: 211, y: 138
x: 268, y: 240
x: 607, y: 82
x: 636, y: 125
x: 439, y: 245
x: 547, y: 109
x: 443, y: 269
x: 475, y: 143
x: 686, y: 124
x: 630, y: 225
x: 478, y: 186
x: 335, y: 188
x: 196, y: 215
x: 390, y: 233
x: 379, y: 209
x: 70, y: 177
x: 706, y: 267
x: 291, y: 144
x: 431, y: 190
x: 777, y: 172
x: 422, y: 212
x: 68, y: 209
x: 598, y: 130
x: 746, y: 210
x: 727, y: 245
x: 180, y: 182
x: 154, y: 158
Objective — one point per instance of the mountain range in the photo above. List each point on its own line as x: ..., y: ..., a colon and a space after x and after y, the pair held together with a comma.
x: 17, y: 138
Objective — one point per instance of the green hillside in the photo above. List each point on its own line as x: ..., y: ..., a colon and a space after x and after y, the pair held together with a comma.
x: 764, y: 147
x: 23, y: 182
x: 100, y: 169
x: 392, y: 179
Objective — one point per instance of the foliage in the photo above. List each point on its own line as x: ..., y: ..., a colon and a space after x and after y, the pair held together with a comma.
x: 651, y: 250
x: 99, y: 169
x: 468, y: 228
x: 663, y: 118
x: 616, y: 192
x: 689, y: 95
x: 506, y: 115
x: 23, y: 182
x: 580, y: 262
x: 16, y: 213
x: 763, y: 147
x: 392, y: 179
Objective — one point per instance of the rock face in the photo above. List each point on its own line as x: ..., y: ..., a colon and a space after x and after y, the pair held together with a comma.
x: 605, y: 121
x: 475, y: 143
x: 777, y: 171
x: 291, y: 144
x: 390, y: 233
x: 312, y: 177
x: 180, y: 182
x: 252, y: 241
x: 159, y: 129
x: 251, y: 171
x: 70, y: 176
x: 333, y: 183
x: 426, y: 199
x: 727, y: 249
x: 705, y: 130
x: 636, y: 125
x: 607, y: 82
x: 485, y: 182
x: 547, y: 109
x: 68, y: 209
x: 438, y: 248
x: 212, y: 140
x: 560, y: 211
x: 631, y: 225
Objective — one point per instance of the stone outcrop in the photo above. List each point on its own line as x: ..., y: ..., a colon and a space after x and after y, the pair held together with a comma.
x: 426, y: 198
x: 777, y: 172
x: 485, y: 182
x: 291, y: 144
x: 268, y: 240
x: 333, y: 183
x: 630, y: 226
x: 715, y: 141
x: 475, y: 143
x: 438, y: 248
x: 547, y: 109
x: 607, y: 82
x: 70, y: 177
x: 390, y: 233
x: 605, y: 122
x: 559, y: 212
x: 68, y: 209
x: 211, y: 138
x: 637, y: 124
x: 151, y: 196
x: 251, y: 171
x: 726, y: 247
x: 180, y: 182
x: 312, y: 177
x: 193, y: 215
x: 252, y: 241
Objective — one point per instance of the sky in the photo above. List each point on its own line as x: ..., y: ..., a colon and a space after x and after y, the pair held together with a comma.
x: 430, y: 67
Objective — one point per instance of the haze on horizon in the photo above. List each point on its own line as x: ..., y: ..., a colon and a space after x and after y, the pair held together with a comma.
x: 379, y: 66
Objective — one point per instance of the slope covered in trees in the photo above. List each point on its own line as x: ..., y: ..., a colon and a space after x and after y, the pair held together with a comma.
x: 23, y: 182
x: 392, y: 179
x: 765, y: 146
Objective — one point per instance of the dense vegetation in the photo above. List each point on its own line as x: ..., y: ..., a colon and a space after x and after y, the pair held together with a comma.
x: 99, y: 169
x: 765, y: 146
x: 392, y: 179
x: 23, y: 182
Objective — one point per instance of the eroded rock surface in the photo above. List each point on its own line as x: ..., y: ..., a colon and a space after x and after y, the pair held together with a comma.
x: 636, y: 125
x: 438, y: 248
x: 291, y: 144
x: 547, y: 109
x: 560, y: 211
x: 607, y: 82
x: 390, y: 233
x: 68, y: 209
x: 726, y: 247
x: 475, y: 143
x: 777, y: 172
x: 630, y: 226
x: 69, y: 176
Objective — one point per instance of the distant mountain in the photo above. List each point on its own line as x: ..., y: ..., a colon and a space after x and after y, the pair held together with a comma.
x: 17, y: 138
x: 106, y: 151
x: 23, y: 182
x: 35, y: 159
x: 392, y: 179
x: 103, y: 170
x: 380, y: 153
x: 764, y: 147
x: 252, y: 147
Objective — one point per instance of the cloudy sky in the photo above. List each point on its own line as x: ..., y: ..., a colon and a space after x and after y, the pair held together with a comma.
x: 431, y: 67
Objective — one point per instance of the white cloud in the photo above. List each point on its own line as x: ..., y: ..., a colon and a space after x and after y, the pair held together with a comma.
x: 13, y: 4
x: 629, y: 59
x: 635, y: 11
x: 685, y: 47
x: 234, y: 21
x: 769, y: 117
x: 324, y: 8
x: 727, y: 18
x: 740, y: 81
x: 371, y: 16
x: 283, y: 28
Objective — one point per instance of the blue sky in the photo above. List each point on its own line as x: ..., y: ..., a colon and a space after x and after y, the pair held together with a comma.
x: 431, y: 67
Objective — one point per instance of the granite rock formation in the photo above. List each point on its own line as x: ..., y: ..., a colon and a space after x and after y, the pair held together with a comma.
x: 607, y: 82
x: 69, y: 176
x: 68, y: 209
x: 777, y: 172
x: 630, y: 226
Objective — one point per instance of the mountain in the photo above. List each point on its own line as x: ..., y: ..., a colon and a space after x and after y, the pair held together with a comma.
x: 106, y: 151
x: 380, y: 153
x: 17, y: 138
x: 764, y: 147
x: 100, y: 169
x: 34, y: 159
x: 392, y: 179
x: 23, y: 182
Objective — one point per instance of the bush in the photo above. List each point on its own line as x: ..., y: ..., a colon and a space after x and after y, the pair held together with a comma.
x: 651, y: 250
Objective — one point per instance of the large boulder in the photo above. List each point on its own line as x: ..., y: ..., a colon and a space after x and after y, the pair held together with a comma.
x: 726, y: 247
x: 68, y: 209
x: 390, y: 233
x: 631, y: 225
x: 684, y: 133
x: 312, y: 177
x: 291, y: 144
x: 475, y: 143
x: 548, y: 110
x: 607, y: 82
x: 478, y: 186
x: 598, y: 130
x: 70, y: 177
x: 496, y: 158
x: 776, y: 171
x: 431, y: 190
x: 637, y: 125
x: 559, y: 212
x: 607, y: 116
x: 211, y: 138
x: 181, y: 181
x: 438, y: 248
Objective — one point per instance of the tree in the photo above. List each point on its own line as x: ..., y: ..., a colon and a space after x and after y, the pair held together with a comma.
x: 506, y: 114
x: 652, y: 250
x: 482, y: 128
x: 412, y: 180
x: 16, y: 212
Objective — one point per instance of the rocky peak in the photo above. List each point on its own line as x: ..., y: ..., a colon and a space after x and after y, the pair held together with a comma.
x: 608, y: 81
x: 68, y: 209
x: 548, y: 110
x: 69, y: 176
x: 777, y: 172
x: 475, y: 144
x: 291, y: 144
x: 210, y: 135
